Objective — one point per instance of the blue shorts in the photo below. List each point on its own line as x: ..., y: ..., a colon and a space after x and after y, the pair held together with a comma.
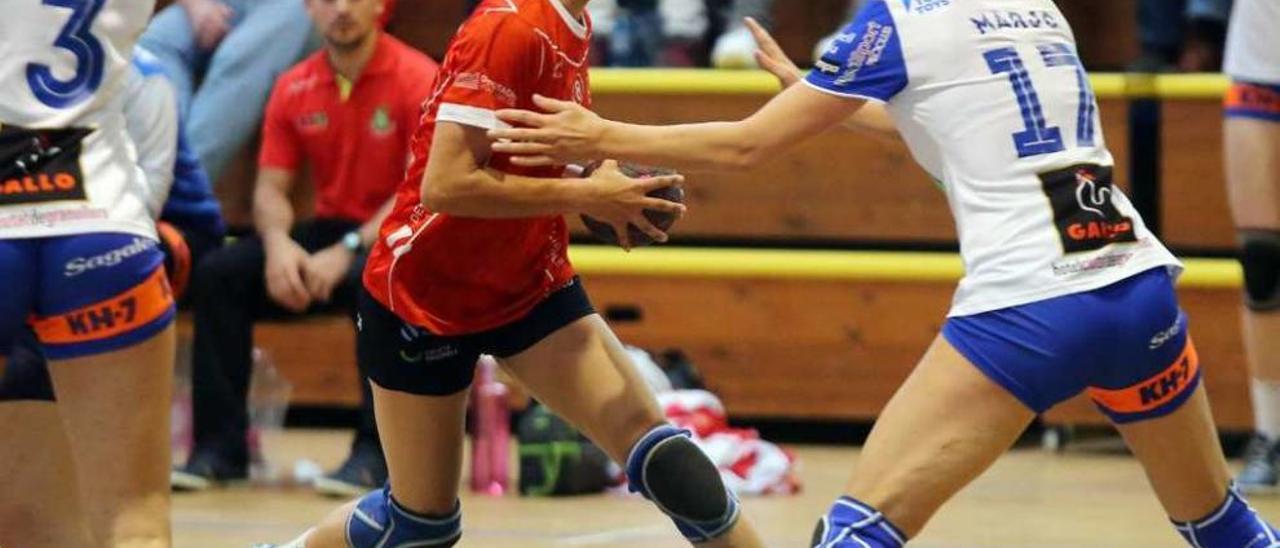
x: 84, y: 294
x: 1250, y: 100
x: 1126, y: 344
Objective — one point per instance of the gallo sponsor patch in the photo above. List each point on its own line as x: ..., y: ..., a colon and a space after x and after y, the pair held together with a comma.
x: 1083, y: 210
x: 40, y: 165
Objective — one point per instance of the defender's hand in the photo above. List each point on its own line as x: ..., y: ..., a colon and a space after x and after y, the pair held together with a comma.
x: 325, y: 270
x: 284, y: 275
x: 620, y: 201
x: 568, y: 132
x: 771, y: 57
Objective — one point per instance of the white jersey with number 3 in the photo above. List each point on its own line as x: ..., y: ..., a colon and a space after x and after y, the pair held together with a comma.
x: 67, y: 165
x: 992, y: 99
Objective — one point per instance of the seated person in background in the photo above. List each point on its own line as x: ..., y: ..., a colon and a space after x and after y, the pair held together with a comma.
x: 222, y: 56
x: 348, y: 111
x: 652, y: 33
x: 1186, y: 35
x: 735, y: 48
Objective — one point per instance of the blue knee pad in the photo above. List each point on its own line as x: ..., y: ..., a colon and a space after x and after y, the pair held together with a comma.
x: 852, y: 524
x: 378, y: 521
x: 669, y: 470
x: 1234, y: 524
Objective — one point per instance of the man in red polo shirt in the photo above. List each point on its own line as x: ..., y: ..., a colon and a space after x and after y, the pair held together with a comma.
x: 348, y: 112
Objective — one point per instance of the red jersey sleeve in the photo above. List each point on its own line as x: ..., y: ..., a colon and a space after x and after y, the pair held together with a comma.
x: 281, y: 147
x: 495, y: 67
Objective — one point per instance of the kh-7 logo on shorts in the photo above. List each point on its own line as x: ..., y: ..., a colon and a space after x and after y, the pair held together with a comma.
x: 1084, y: 210
x: 107, y: 316
x: 1168, y: 384
x: 40, y: 165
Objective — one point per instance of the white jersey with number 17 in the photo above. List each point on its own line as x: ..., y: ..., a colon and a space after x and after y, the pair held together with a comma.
x: 992, y: 99
x: 67, y: 165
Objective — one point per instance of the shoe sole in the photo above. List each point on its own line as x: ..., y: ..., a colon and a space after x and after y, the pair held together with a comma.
x: 183, y: 482
x: 330, y: 487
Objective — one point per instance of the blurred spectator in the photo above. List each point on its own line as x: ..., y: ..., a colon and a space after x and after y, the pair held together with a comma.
x: 642, y: 33
x: 1181, y: 34
x: 348, y: 112
x: 222, y: 57
x: 735, y: 48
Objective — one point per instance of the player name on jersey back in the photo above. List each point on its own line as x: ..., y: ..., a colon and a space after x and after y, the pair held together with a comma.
x: 993, y: 101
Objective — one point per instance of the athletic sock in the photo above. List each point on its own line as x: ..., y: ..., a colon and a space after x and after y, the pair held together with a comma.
x: 1233, y: 524
x: 1266, y: 407
x: 852, y: 524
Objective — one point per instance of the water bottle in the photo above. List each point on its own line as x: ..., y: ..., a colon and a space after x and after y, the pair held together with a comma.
x: 491, y: 431
x: 268, y: 401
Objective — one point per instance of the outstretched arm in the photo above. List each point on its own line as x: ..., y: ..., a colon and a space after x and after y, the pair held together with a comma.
x: 570, y: 133
x: 872, y: 118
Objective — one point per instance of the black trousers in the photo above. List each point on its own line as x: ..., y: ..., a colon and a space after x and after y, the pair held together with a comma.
x: 229, y: 294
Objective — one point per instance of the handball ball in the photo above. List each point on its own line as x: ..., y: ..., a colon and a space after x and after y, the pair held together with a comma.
x: 604, y: 232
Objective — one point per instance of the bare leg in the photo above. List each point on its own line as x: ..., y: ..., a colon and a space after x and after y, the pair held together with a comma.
x: 422, y: 437
x: 583, y: 373
x: 115, y: 408
x: 41, y: 504
x: 1252, y: 152
x: 1182, y: 457
x: 946, y: 425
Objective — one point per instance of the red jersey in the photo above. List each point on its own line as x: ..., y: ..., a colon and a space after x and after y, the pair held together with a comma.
x: 455, y: 275
x: 354, y: 135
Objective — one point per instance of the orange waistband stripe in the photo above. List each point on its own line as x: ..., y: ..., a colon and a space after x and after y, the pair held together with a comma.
x: 1155, y: 391
x: 1253, y: 97
x: 139, y: 306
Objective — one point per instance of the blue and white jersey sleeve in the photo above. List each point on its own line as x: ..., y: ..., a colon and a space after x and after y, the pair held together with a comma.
x: 865, y: 60
x: 151, y: 118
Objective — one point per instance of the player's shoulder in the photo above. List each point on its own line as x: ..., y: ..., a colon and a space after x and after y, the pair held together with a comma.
x: 503, y: 21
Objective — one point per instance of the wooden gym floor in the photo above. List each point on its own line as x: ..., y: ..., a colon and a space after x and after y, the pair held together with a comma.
x: 1030, y: 498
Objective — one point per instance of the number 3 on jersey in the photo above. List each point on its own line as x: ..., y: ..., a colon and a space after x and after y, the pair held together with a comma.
x: 1039, y: 137
x: 75, y: 37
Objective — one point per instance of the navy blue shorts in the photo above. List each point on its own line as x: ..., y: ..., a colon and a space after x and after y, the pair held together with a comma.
x: 1126, y: 344
x: 405, y: 358
x: 84, y: 294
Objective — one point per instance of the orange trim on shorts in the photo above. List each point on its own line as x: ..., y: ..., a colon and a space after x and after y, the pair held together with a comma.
x: 179, y: 257
x: 1246, y: 97
x: 1155, y: 391
x: 130, y: 310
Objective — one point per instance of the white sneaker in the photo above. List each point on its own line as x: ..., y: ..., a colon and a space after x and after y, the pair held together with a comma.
x: 735, y: 49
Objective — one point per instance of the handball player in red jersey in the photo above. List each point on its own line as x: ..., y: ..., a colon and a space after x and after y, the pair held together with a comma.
x: 473, y: 260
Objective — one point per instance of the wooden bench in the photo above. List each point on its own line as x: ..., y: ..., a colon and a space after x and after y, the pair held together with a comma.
x: 779, y: 349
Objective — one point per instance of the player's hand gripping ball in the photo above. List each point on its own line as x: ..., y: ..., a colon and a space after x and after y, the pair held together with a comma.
x: 605, y: 233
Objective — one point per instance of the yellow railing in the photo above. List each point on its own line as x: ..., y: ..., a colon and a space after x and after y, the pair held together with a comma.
x: 824, y: 265
x: 847, y: 265
x: 756, y: 82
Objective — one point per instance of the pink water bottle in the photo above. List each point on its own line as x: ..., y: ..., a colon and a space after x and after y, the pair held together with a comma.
x: 491, y: 431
